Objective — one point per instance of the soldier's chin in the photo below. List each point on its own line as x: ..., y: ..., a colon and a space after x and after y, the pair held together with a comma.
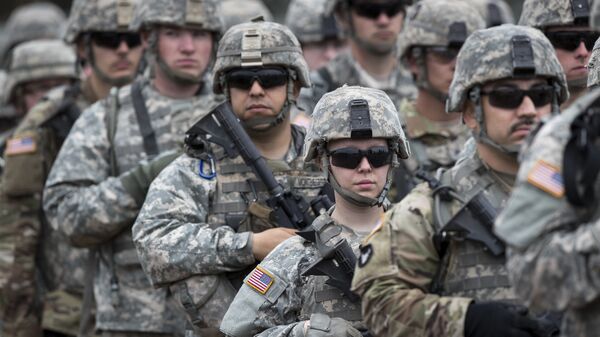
x: 120, y: 81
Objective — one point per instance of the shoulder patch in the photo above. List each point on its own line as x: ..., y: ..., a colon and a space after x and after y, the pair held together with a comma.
x: 365, y: 255
x: 260, y: 280
x: 547, y: 178
x: 20, y: 145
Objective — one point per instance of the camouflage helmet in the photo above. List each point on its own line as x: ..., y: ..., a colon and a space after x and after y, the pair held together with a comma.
x: 42, y: 20
x: 489, y: 55
x: 337, y: 115
x: 204, y: 14
x: 546, y: 13
x: 494, y: 12
x: 353, y: 112
x: 593, y: 79
x: 99, y: 16
x: 257, y: 44
x: 38, y: 60
x: 438, y: 23
x: 311, y: 21
x: 239, y: 11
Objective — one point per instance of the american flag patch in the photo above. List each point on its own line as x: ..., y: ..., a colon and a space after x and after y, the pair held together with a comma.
x: 20, y: 145
x: 260, y: 280
x: 547, y: 178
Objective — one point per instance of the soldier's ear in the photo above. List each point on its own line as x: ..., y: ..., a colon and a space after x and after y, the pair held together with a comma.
x: 412, y: 65
x: 297, y: 88
x: 145, y: 38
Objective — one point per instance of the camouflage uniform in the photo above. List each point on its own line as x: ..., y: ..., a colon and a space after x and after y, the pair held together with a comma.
x: 344, y: 69
x: 41, y: 20
x: 98, y: 183
x: 553, y: 261
x: 33, y: 61
x: 184, y: 233
x: 433, y: 144
x: 415, y: 282
x: 240, y: 11
x: 294, y: 298
x: 60, y: 265
x: 495, y: 12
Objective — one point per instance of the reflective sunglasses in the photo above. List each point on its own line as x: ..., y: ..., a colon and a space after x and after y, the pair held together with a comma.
x: 267, y: 77
x: 511, y: 97
x: 443, y: 54
x: 570, y: 40
x: 373, y: 10
x: 113, y: 40
x: 350, y: 157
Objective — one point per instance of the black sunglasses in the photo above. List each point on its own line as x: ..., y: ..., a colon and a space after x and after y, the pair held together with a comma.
x: 350, y: 157
x: 374, y: 10
x: 570, y: 40
x: 443, y: 54
x: 112, y: 40
x: 511, y: 97
x: 267, y: 77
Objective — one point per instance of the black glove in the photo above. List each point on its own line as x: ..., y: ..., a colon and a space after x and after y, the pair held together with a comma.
x: 496, y: 319
x: 137, y: 180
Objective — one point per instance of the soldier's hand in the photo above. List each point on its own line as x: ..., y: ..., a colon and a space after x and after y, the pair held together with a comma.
x: 321, y: 325
x: 264, y: 242
x: 495, y: 319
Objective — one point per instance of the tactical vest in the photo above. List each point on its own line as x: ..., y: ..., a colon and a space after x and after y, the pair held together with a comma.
x: 238, y: 202
x: 320, y: 297
x: 470, y: 269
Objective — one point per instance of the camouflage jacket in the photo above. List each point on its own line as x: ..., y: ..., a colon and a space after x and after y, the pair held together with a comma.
x: 292, y: 298
x: 60, y: 265
x: 182, y: 233
x: 84, y: 200
x: 343, y: 69
x: 403, y: 261
x: 554, y: 261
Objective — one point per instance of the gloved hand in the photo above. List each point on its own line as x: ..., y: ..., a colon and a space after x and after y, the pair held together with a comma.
x: 321, y: 325
x: 137, y: 180
x: 496, y: 319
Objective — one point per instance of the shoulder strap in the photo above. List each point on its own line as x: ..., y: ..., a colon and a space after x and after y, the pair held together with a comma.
x: 298, y: 135
x: 143, y: 118
x: 112, y: 104
x: 326, y: 76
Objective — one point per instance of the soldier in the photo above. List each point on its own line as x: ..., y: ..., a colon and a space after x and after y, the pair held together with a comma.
x: 552, y: 260
x: 205, y: 220
x: 434, y: 268
x: 60, y: 265
x: 40, y: 20
x: 428, y: 45
x: 565, y: 24
x: 318, y: 31
x: 495, y: 12
x: 100, y: 177
x: 373, y: 27
x: 240, y: 11
x: 357, y: 158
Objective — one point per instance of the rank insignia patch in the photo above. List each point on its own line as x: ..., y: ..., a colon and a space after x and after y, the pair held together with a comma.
x: 20, y: 145
x: 547, y: 178
x: 260, y: 280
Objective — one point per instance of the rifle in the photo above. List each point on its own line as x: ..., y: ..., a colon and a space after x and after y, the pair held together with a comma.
x: 221, y: 127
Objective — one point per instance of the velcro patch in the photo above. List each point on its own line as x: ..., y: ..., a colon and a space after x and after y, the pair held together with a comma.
x: 260, y: 280
x: 20, y: 145
x: 547, y: 178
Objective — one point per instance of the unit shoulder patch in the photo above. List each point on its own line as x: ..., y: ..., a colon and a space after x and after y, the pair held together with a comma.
x: 547, y: 178
x: 260, y: 280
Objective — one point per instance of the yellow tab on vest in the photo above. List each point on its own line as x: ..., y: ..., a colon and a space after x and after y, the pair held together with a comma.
x: 260, y: 280
x: 20, y: 145
x: 547, y: 178
x: 376, y: 229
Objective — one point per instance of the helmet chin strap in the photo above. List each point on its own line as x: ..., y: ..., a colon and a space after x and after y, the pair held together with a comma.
x: 114, y: 81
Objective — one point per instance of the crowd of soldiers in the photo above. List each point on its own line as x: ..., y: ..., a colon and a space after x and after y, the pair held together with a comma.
x: 192, y: 168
